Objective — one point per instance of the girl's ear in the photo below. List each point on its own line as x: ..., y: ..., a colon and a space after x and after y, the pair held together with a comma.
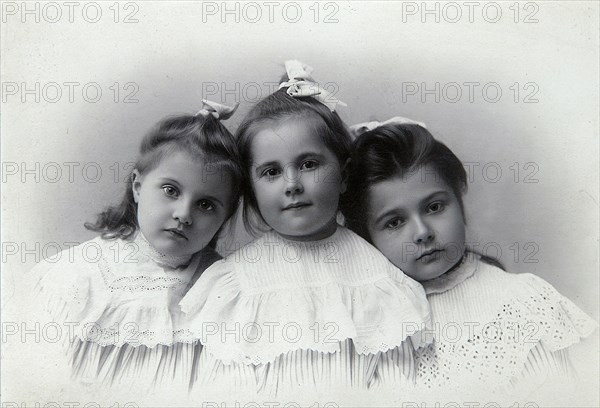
x: 345, y: 170
x: 136, y: 184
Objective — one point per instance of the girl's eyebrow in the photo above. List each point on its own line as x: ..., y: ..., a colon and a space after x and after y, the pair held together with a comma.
x: 168, y: 179
x: 304, y: 155
x: 386, y: 214
x: 298, y: 158
x: 434, y: 195
x: 270, y: 163
x: 203, y: 197
x: 400, y: 210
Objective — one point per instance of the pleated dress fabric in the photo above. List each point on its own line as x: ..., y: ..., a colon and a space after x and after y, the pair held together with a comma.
x: 304, y: 321
x: 120, y: 298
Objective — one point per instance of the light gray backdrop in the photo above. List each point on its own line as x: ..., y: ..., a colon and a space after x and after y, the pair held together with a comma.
x: 512, y: 90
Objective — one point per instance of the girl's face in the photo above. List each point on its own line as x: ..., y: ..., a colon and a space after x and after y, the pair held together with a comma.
x: 182, y: 203
x: 297, y: 181
x: 417, y: 223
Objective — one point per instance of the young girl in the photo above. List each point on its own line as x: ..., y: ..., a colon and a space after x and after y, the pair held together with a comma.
x: 120, y: 291
x: 310, y: 306
x: 495, y: 333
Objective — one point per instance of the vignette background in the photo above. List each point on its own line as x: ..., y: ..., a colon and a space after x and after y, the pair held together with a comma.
x: 153, y: 59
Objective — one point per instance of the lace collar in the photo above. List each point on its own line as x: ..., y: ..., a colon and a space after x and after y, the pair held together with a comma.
x: 457, y: 275
x: 146, y: 250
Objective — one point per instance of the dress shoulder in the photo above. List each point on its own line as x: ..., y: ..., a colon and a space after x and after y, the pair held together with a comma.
x: 64, y: 280
x: 504, y: 324
x: 114, y: 294
x: 527, y: 301
x: 557, y: 321
x: 208, y: 256
x: 220, y: 278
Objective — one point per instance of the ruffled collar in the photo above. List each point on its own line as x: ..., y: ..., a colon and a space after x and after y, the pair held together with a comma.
x: 148, y: 251
x: 457, y: 275
x: 341, y: 286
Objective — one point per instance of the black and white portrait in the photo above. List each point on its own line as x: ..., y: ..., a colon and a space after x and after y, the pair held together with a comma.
x: 286, y: 204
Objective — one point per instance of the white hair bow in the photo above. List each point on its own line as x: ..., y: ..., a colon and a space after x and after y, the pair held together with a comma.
x: 300, y: 84
x: 360, y: 128
x: 217, y: 110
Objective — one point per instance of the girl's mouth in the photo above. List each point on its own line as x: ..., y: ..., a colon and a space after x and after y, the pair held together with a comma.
x: 177, y: 233
x: 430, y: 255
x: 296, y: 206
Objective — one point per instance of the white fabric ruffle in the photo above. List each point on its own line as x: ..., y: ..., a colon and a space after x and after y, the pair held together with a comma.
x: 275, y: 296
x: 111, y: 294
x: 117, y: 305
x: 486, y: 327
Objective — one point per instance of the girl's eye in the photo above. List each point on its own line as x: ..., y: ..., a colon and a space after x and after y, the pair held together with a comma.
x: 394, y: 223
x: 435, y: 207
x: 271, y: 172
x: 309, y: 165
x: 170, y: 190
x: 206, y: 205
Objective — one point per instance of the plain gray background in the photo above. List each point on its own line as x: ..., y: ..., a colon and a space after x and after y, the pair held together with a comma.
x: 381, y: 59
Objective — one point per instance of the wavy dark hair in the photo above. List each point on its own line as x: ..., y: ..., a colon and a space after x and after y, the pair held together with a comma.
x: 279, y: 107
x: 204, y: 137
x: 396, y: 150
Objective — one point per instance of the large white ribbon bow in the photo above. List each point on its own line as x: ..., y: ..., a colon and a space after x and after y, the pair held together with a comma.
x: 360, y: 128
x: 217, y: 110
x: 300, y: 85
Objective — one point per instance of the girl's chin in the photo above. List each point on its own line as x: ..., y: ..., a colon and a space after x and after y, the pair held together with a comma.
x: 426, y: 277
x: 173, y: 250
x: 423, y: 275
x: 309, y: 234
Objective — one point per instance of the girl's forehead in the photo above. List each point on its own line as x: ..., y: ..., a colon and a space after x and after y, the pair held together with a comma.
x: 175, y: 154
x: 191, y: 170
x: 178, y: 159
x: 412, y: 185
x: 287, y: 138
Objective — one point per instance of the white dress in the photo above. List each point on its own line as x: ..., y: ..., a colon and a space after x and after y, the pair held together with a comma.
x: 498, y: 336
x: 313, y: 321
x: 127, y: 337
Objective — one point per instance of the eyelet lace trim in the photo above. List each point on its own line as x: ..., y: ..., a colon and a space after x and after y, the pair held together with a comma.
x: 136, y: 283
x: 498, y: 353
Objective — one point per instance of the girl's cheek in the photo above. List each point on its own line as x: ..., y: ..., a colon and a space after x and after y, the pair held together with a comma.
x: 399, y: 240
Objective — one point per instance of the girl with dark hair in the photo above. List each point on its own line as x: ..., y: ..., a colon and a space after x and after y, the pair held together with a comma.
x: 404, y: 196
x: 313, y: 305
x: 124, y: 297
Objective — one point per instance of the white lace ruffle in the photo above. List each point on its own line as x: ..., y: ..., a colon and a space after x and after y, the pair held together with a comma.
x: 497, y: 352
x: 252, y: 313
x: 558, y: 322
x: 110, y: 302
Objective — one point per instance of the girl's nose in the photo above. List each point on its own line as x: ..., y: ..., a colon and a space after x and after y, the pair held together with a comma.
x: 423, y: 232
x: 294, y: 187
x: 293, y: 184
x: 183, y: 212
